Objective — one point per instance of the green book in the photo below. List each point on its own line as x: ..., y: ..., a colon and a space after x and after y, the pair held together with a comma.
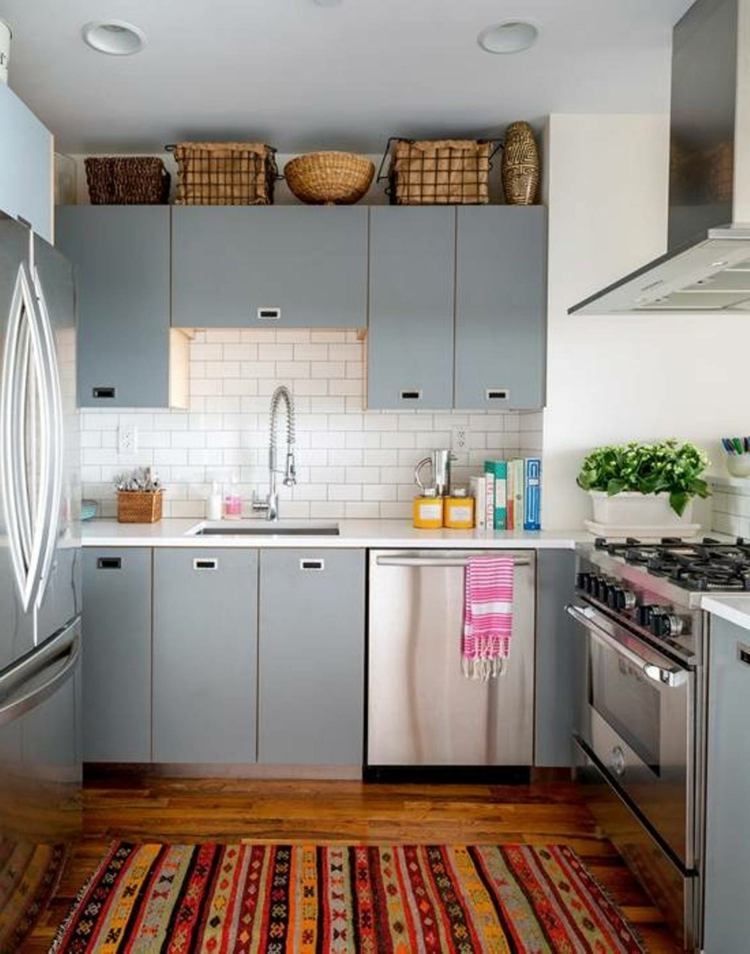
x: 500, y: 470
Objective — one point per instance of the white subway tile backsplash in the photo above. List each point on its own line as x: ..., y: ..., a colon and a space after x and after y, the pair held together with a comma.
x: 351, y: 462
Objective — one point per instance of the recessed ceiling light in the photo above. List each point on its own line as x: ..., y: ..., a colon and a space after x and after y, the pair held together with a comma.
x: 510, y: 36
x: 114, y: 37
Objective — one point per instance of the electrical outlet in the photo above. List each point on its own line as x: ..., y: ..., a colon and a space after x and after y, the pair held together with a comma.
x: 459, y: 440
x: 127, y: 439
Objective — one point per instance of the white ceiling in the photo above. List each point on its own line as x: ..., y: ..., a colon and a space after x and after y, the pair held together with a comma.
x: 302, y: 76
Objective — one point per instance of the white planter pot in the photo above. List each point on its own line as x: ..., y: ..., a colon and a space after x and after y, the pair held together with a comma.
x: 638, y: 511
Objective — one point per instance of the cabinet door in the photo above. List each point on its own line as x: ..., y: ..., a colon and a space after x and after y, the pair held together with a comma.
x: 312, y: 641
x: 727, y: 883
x: 560, y: 660
x: 117, y: 655
x: 205, y: 648
x: 275, y: 267
x: 410, y: 336
x: 501, y: 306
x: 25, y: 164
x: 121, y: 260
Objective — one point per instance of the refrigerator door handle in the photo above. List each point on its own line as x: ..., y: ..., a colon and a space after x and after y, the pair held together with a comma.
x: 19, y: 697
x: 53, y: 440
x: 31, y: 439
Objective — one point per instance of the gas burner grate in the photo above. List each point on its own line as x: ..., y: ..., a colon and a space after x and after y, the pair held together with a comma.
x: 705, y: 565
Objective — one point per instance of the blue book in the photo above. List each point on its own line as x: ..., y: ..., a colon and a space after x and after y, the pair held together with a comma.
x: 532, y: 496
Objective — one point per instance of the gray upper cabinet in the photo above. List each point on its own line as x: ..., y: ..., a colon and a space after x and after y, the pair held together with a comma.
x: 727, y: 912
x: 410, y: 336
x: 276, y: 267
x: 121, y: 259
x: 501, y: 306
x: 117, y: 655
x: 312, y: 644
x: 205, y: 655
x: 26, y: 175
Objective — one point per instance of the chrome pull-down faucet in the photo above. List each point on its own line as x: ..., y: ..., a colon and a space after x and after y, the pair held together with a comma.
x: 270, y: 506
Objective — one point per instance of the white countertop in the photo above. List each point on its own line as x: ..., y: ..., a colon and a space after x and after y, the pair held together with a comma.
x: 735, y: 609
x: 352, y: 533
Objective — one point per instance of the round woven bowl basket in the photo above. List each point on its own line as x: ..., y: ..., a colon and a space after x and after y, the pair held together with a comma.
x: 329, y: 178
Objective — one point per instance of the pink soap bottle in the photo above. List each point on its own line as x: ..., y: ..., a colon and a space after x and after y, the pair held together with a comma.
x: 233, y: 502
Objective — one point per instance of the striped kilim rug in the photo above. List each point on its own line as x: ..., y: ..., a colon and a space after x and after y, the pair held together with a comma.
x: 273, y: 899
x: 29, y: 875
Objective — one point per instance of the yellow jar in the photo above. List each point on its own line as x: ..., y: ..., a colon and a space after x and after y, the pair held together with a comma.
x: 458, y: 512
x: 428, y: 511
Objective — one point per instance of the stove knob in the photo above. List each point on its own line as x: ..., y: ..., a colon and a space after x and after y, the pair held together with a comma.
x: 645, y: 614
x: 614, y: 595
x: 582, y: 581
x: 602, y: 588
x: 628, y: 600
x: 667, y: 625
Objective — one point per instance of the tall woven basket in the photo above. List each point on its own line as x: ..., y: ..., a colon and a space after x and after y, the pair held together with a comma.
x: 225, y: 173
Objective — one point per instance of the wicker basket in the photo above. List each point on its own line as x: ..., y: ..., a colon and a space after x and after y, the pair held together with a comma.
x: 329, y: 178
x: 439, y: 172
x: 139, y: 506
x: 127, y: 180
x: 225, y: 173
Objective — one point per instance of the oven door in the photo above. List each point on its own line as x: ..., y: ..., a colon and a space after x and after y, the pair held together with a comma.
x: 639, y: 721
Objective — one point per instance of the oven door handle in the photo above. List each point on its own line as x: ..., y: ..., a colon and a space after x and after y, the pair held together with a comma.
x: 665, y: 675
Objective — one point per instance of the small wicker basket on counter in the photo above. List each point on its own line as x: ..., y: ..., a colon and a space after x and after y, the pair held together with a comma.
x: 224, y: 173
x: 127, y: 180
x: 139, y: 506
x: 438, y: 172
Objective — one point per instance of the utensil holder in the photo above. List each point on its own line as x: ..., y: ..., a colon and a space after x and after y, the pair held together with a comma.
x: 139, y: 506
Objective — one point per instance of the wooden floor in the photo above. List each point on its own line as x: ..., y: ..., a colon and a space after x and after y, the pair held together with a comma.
x: 345, y: 812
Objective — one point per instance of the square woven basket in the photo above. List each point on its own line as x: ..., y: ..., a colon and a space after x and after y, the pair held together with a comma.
x: 127, y: 180
x: 139, y: 506
x: 439, y: 172
x: 225, y: 173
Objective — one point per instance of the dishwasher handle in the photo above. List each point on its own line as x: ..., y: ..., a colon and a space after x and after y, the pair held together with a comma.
x: 437, y: 561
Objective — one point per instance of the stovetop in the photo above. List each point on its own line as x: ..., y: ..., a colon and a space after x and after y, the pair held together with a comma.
x: 705, y: 566
x: 656, y: 589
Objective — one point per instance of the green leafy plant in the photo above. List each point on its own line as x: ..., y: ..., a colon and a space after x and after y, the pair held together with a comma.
x: 666, y: 467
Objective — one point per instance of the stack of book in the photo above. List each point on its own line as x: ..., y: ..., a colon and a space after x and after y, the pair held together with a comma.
x: 509, y: 495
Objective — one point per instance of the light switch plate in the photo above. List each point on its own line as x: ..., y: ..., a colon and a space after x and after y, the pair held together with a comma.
x: 127, y: 439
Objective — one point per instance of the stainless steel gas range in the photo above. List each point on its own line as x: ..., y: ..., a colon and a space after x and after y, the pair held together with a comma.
x: 641, y: 732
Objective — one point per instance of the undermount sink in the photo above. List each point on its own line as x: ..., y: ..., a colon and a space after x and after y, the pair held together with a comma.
x: 259, y: 528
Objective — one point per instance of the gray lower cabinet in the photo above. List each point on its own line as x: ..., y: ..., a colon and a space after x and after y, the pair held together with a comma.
x: 275, y: 267
x: 727, y: 887
x: 410, y: 334
x: 117, y: 655
x: 205, y: 655
x: 311, y: 657
x: 560, y: 660
x: 501, y: 307
x: 121, y: 259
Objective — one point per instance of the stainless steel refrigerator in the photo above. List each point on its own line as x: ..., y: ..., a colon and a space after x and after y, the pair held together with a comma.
x: 40, y: 592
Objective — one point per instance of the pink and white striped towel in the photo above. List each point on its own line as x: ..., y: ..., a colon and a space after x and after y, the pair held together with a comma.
x: 488, y: 616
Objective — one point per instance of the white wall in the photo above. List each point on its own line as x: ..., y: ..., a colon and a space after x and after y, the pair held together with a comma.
x: 350, y: 462
x: 612, y: 379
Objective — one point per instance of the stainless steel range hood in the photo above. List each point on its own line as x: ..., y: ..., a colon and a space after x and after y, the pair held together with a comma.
x: 707, y: 265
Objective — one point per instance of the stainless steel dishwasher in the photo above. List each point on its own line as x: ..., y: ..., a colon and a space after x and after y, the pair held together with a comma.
x: 422, y: 710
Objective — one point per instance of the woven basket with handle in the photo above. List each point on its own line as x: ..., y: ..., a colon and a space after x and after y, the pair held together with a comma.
x: 139, y: 506
x: 439, y: 172
x: 225, y: 173
x: 329, y: 178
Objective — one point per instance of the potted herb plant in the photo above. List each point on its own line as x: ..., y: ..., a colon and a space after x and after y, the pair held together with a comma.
x: 644, y: 485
